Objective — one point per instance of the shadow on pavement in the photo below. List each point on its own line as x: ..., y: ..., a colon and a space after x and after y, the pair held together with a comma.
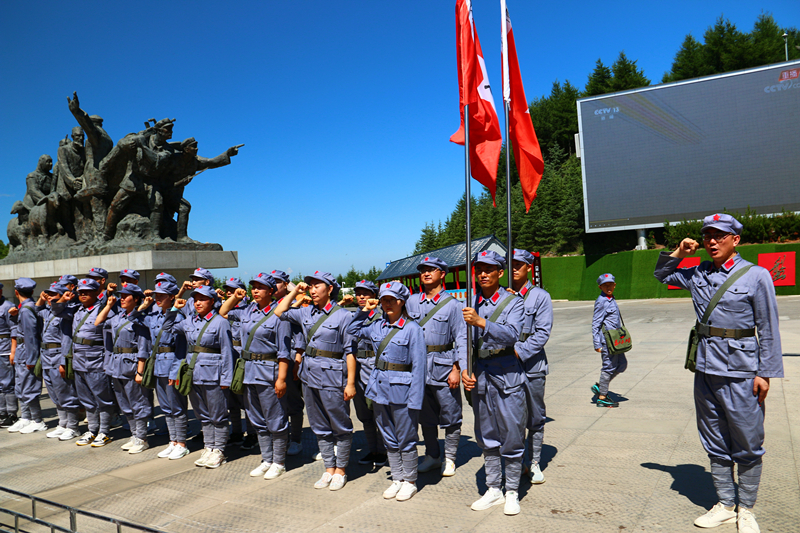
x: 691, y: 481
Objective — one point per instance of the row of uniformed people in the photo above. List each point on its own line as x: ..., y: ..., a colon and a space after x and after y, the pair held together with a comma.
x: 509, y: 346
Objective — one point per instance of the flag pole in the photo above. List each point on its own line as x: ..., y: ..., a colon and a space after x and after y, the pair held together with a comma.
x: 469, y: 235
x: 506, y: 102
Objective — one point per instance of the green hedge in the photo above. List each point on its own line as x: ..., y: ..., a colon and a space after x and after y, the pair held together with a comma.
x: 575, y: 277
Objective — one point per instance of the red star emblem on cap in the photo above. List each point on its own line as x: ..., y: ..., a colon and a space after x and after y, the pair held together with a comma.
x: 231, y: 279
x: 426, y: 259
x: 716, y: 217
x: 606, y: 275
x: 272, y: 272
x: 363, y: 281
x: 83, y: 281
x: 388, y: 285
x: 124, y: 284
x: 483, y: 253
x: 158, y: 284
x: 316, y: 272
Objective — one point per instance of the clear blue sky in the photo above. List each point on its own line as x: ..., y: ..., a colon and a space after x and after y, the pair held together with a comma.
x: 345, y: 108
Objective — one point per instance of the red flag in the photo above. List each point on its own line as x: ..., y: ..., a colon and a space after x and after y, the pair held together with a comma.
x: 527, y: 152
x: 485, y: 140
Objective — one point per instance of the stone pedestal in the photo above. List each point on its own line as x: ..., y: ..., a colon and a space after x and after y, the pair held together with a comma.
x: 149, y: 263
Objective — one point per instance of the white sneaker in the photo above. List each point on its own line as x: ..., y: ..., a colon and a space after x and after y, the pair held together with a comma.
x: 295, y: 448
x: 101, y: 440
x: 512, y: 503
x: 86, y: 439
x: 324, y: 481
x: 274, y: 471
x: 56, y: 432
x: 716, y: 516
x: 261, y: 469
x: 68, y: 434
x: 129, y: 444
x: 163, y: 454
x: 428, y: 463
x: 215, y: 459
x: 392, y: 491
x: 203, y: 457
x: 490, y: 499
x: 746, y: 521
x: 449, y: 468
x: 178, y: 452
x: 338, y: 482
x: 140, y: 446
x: 19, y: 424
x: 318, y: 457
x: 407, y: 491
x: 34, y: 427
x: 537, y: 478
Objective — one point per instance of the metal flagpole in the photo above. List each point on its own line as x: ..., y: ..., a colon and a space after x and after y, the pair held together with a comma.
x: 470, y: 302
x: 506, y: 103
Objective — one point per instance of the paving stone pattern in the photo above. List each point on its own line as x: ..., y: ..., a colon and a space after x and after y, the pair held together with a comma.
x: 636, y: 468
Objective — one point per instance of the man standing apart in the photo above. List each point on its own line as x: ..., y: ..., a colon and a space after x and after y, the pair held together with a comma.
x: 538, y: 321
x: 442, y: 321
x: 497, y: 380
x: 27, y: 387
x: 733, y: 366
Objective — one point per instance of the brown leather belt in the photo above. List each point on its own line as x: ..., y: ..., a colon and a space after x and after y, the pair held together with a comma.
x: 491, y: 354
x: 86, y: 342
x: 51, y: 345
x: 314, y: 352
x: 251, y: 356
x: 203, y: 349
x: 125, y: 350
x: 166, y: 349
x: 237, y: 343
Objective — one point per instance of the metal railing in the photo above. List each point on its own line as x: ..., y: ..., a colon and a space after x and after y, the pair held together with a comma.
x: 73, y: 516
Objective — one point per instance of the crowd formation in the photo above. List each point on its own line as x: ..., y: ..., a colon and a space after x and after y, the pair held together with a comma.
x: 401, y: 358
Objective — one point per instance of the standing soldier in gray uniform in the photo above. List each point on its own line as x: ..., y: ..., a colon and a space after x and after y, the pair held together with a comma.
x: 733, y: 366
x: 445, y: 332
x: 530, y: 350
x: 8, y: 401
x: 498, y: 381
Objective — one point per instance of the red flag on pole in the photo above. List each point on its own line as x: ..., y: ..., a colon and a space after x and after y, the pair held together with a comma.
x: 527, y: 152
x: 485, y: 140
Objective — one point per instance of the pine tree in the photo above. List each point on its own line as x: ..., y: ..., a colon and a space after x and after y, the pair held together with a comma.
x: 599, y: 80
x: 688, y: 62
x: 626, y: 75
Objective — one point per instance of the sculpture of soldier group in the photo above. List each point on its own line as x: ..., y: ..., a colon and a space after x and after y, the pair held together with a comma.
x: 100, y: 192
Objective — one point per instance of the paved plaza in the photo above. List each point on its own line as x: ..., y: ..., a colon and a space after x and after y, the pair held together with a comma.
x: 636, y: 468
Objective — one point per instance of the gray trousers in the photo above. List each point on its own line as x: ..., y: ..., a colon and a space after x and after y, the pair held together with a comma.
x: 537, y: 415
x: 211, y: 408
x: 613, y: 365
x: 441, y: 407
x: 367, y: 418
x: 8, y: 400
x: 173, y: 405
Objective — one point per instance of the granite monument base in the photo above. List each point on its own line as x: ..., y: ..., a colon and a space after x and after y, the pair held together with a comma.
x: 148, y: 263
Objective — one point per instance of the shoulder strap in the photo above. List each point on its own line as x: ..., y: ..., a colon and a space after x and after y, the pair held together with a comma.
x: 258, y: 325
x: 435, y: 310
x: 725, y: 286
x: 158, y: 340
x: 385, y: 342
x: 80, y: 325
x: 116, y: 332
x: 497, y: 312
x: 319, y: 322
x: 197, y: 342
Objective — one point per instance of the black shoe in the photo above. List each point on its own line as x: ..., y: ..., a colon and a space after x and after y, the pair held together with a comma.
x: 250, y: 441
x: 368, y: 459
x: 236, y: 439
x: 9, y: 421
x: 607, y: 402
x: 380, y: 459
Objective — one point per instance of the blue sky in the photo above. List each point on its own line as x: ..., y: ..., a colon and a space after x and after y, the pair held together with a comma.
x: 345, y: 108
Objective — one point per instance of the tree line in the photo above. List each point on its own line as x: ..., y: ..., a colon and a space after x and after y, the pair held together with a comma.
x: 555, y: 222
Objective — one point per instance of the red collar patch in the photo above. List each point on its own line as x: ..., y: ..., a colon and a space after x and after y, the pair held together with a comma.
x: 524, y: 291
x: 266, y: 309
x: 328, y: 307
x: 728, y: 264
x: 401, y: 322
x: 421, y: 297
x: 371, y: 313
x: 209, y: 315
x: 495, y: 297
x: 437, y: 297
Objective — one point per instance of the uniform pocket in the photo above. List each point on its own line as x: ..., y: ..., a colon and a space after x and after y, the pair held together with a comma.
x: 442, y: 366
x: 207, y: 372
x: 736, y: 299
x: 399, y: 385
x: 742, y: 355
x: 332, y: 373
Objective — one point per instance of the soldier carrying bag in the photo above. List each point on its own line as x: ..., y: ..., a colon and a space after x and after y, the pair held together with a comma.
x: 618, y: 340
x: 694, y: 336
x: 237, y: 381
x: 186, y: 370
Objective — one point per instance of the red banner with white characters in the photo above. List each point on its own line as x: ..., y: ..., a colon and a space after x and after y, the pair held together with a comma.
x: 686, y: 262
x: 781, y: 267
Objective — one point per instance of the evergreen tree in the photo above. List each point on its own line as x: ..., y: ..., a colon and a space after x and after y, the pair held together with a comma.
x: 599, y: 80
x: 725, y: 48
x: 626, y: 75
x: 688, y: 62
